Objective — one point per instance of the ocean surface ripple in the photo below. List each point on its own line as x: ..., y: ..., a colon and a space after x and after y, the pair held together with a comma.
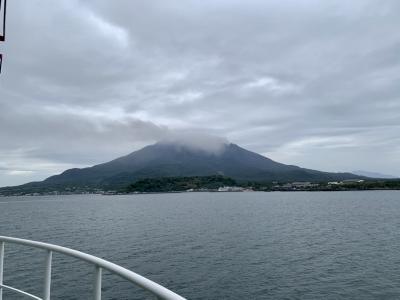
x: 319, y: 245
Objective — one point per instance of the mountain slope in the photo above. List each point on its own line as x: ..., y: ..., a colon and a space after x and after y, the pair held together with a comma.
x: 373, y: 174
x: 171, y: 160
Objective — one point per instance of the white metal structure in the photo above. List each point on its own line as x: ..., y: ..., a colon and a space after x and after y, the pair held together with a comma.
x: 99, y: 264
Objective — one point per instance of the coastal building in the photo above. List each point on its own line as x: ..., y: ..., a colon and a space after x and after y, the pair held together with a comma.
x: 333, y: 183
x: 286, y: 186
x: 230, y: 189
x: 301, y: 184
x: 304, y: 185
x: 352, y: 181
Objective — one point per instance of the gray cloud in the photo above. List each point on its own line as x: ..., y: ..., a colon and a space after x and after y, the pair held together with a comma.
x: 197, y: 140
x: 313, y: 83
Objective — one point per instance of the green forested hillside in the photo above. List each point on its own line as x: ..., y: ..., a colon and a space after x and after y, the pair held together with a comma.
x: 175, y: 184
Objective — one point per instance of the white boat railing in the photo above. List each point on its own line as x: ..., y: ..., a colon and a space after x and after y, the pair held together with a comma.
x: 99, y: 264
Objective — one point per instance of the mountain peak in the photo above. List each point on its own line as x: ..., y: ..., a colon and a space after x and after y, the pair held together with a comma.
x: 182, y: 159
x: 197, y: 142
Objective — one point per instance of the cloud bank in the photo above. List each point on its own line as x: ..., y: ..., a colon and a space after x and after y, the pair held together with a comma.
x: 196, y: 140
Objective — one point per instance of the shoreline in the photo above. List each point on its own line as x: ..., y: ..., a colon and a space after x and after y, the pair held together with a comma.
x: 183, y: 192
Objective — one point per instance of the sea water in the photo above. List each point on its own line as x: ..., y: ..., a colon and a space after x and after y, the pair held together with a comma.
x: 255, y: 245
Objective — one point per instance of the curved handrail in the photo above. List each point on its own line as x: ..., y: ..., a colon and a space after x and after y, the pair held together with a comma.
x: 19, y: 292
x: 150, y: 286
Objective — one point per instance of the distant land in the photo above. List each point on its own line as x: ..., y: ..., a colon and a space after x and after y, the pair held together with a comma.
x: 176, y: 160
x: 373, y: 174
x: 218, y: 183
x: 181, y: 184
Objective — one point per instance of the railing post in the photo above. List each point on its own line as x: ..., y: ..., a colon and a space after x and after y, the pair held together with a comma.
x: 97, y: 262
x: 97, y: 283
x: 1, y: 268
x: 47, y: 276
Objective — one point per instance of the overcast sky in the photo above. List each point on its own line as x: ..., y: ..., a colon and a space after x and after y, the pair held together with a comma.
x: 311, y: 83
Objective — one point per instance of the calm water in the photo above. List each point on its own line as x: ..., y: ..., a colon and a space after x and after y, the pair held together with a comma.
x: 318, y: 245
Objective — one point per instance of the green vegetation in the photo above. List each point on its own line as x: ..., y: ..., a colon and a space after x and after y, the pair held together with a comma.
x: 179, y: 184
x: 195, y: 183
x: 366, y: 185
